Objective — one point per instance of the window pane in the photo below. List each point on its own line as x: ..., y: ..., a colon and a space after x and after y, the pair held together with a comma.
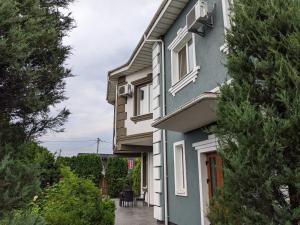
x: 150, y: 98
x: 191, y: 55
x: 182, y: 66
x: 144, y: 100
x: 179, y: 168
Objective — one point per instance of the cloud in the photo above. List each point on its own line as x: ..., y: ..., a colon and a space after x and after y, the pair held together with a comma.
x: 105, y: 36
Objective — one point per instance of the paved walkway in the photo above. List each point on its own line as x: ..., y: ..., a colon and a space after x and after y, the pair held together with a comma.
x: 137, y: 215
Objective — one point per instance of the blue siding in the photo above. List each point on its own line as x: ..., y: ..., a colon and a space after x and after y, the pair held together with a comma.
x: 186, y: 210
x: 208, y: 57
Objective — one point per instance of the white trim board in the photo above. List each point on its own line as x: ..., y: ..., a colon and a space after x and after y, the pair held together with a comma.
x: 182, y: 39
x: 178, y: 192
x: 203, y: 147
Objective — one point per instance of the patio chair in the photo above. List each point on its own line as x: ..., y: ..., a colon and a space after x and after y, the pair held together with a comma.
x: 121, y: 198
x: 128, y: 198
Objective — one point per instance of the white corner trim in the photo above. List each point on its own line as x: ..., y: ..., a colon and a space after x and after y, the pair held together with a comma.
x: 190, y: 77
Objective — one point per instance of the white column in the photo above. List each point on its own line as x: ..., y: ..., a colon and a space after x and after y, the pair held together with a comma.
x: 157, y: 136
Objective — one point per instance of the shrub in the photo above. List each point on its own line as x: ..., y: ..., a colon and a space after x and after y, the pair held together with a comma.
x: 45, y: 161
x: 22, y: 217
x: 85, y: 166
x: 117, y: 170
x: 18, y: 184
x: 76, y: 201
x: 136, y: 177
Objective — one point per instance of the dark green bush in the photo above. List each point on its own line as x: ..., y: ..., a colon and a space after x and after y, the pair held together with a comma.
x: 85, y: 166
x: 23, y: 217
x: 117, y: 170
x: 18, y: 184
x: 45, y: 161
x: 136, y: 177
x: 76, y: 201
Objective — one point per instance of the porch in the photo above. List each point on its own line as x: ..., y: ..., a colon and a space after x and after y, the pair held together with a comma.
x: 137, y: 215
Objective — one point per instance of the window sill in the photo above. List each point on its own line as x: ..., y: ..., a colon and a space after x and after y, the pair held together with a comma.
x: 139, y: 118
x: 181, y: 193
x: 190, y: 77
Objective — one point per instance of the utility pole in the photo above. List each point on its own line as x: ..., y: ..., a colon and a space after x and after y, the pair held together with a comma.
x: 98, y: 143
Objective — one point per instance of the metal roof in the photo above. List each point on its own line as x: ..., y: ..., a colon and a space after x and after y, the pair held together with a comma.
x: 159, y: 25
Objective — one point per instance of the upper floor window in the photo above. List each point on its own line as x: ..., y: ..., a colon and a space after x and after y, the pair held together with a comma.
x: 186, y: 59
x: 183, y: 60
x: 143, y: 99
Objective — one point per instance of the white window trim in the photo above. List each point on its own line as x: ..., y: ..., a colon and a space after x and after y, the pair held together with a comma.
x: 149, y: 101
x: 184, y: 191
x: 226, y: 19
x: 182, y: 38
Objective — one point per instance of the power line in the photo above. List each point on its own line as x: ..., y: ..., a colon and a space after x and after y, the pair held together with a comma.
x: 68, y: 141
x: 72, y: 141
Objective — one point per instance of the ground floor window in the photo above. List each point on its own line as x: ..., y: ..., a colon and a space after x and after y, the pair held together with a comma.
x: 180, y: 169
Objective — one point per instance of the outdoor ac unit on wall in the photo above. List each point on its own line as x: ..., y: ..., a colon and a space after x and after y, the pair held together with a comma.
x: 125, y: 90
x: 201, y: 19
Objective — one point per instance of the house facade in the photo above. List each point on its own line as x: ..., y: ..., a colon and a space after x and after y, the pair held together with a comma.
x: 187, y: 44
x: 130, y: 93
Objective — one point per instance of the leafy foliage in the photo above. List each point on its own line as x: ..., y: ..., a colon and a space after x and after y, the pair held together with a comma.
x: 32, y: 77
x: 32, y: 69
x: 76, y: 201
x: 85, y: 166
x: 258, y: 114
x: 21, y: 217
x: 18, y: 183
x: 47, y: 166
x: 136, y: 177
x: 117, y: 170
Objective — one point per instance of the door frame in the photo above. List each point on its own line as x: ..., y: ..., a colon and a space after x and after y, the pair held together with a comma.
x: 202, y: 148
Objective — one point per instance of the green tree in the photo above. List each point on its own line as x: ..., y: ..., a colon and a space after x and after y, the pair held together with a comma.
x: 116, y: 173
x: 258, y: 115
x: 76, y: 201
x: 85, y: 166
x: 45, y: 161
x: 32, y: 81
x: 32, y: 68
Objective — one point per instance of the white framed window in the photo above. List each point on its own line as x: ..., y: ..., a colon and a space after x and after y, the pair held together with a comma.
x: 183, y: 60
x: 144, y: 99
x: 180, y: 169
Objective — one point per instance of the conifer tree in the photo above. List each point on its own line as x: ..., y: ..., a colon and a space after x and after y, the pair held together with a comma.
x: 32, y: 80
x: 259, y: 115
x: 32, y: 71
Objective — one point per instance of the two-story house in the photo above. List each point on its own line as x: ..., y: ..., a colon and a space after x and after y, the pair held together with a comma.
x: 186, y: 38
x: 130, y: 92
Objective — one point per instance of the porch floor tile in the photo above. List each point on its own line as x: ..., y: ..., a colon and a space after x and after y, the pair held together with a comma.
x: 137, y: 215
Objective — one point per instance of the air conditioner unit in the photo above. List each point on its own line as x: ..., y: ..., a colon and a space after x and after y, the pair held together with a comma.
x: 200, y: 19
x: 125, y: 90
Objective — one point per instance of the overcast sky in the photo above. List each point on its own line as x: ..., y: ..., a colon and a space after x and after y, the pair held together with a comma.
x: 105, y: 36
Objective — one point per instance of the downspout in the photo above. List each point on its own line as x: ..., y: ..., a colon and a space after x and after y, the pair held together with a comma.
x: 163, y: 131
